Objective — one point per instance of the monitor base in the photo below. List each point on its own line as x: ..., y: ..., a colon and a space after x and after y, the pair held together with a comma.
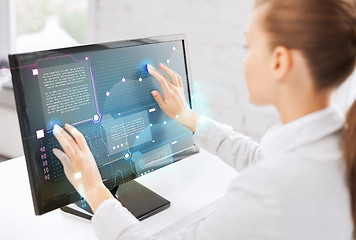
x: 139, y: 200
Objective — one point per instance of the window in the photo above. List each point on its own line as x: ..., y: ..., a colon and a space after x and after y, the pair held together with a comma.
x: 46, y: 24
x: 7, y: 28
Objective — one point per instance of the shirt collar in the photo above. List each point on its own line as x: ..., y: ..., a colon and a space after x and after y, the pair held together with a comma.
x: 312, y: 127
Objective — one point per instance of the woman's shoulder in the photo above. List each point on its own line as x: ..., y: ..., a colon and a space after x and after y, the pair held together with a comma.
x: 296, y: 192
x: 298, y: 181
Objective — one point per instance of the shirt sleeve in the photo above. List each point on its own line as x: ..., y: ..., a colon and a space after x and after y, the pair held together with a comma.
x: 235, y: 149
x: 111, y: 219
x: 248, y: 211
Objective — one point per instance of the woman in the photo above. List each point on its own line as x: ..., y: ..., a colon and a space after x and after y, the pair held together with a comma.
x: 300, y: 183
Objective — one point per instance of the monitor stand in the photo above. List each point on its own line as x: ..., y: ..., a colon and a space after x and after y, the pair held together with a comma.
x: 139, y: 200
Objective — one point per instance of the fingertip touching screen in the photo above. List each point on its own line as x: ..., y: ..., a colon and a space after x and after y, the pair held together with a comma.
x: 104, y: 90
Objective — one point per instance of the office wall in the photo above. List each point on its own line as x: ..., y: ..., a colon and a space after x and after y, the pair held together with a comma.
x: 214, y: 29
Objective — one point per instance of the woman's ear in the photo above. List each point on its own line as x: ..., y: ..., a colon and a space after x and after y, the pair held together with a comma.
x: 281, y: 63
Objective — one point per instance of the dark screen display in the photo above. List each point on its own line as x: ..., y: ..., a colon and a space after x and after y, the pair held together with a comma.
x: 104, y: 90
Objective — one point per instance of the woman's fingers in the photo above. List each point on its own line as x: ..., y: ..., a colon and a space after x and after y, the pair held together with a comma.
x: 180, y: 81
x: 157, y: 96
x: 62, y: 157
x: 170, y: 73
x: 66, y: 141
x: 78, y: 136
x: 163, y: 82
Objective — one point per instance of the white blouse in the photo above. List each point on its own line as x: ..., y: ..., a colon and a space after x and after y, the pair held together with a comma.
x: 292, y: 186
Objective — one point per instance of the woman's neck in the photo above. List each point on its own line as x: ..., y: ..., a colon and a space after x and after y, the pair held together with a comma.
x: 292, y: 106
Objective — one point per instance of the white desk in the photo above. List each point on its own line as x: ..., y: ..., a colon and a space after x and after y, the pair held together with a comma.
x: 192, y: 185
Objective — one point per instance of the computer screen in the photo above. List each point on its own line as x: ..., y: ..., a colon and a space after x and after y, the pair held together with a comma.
x: 104, y: 90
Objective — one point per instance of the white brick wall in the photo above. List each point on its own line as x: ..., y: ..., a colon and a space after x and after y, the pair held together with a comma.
x: 215, y: 33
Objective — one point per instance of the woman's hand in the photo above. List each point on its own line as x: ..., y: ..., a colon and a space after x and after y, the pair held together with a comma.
x: 174, y: 104
x: 79, y: 165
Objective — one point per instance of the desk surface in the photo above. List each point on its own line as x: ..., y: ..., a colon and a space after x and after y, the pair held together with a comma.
x: 192, y: 185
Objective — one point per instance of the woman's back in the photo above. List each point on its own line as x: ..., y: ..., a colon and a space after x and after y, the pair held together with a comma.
x: 297, y: 187
x: 308, y: 168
